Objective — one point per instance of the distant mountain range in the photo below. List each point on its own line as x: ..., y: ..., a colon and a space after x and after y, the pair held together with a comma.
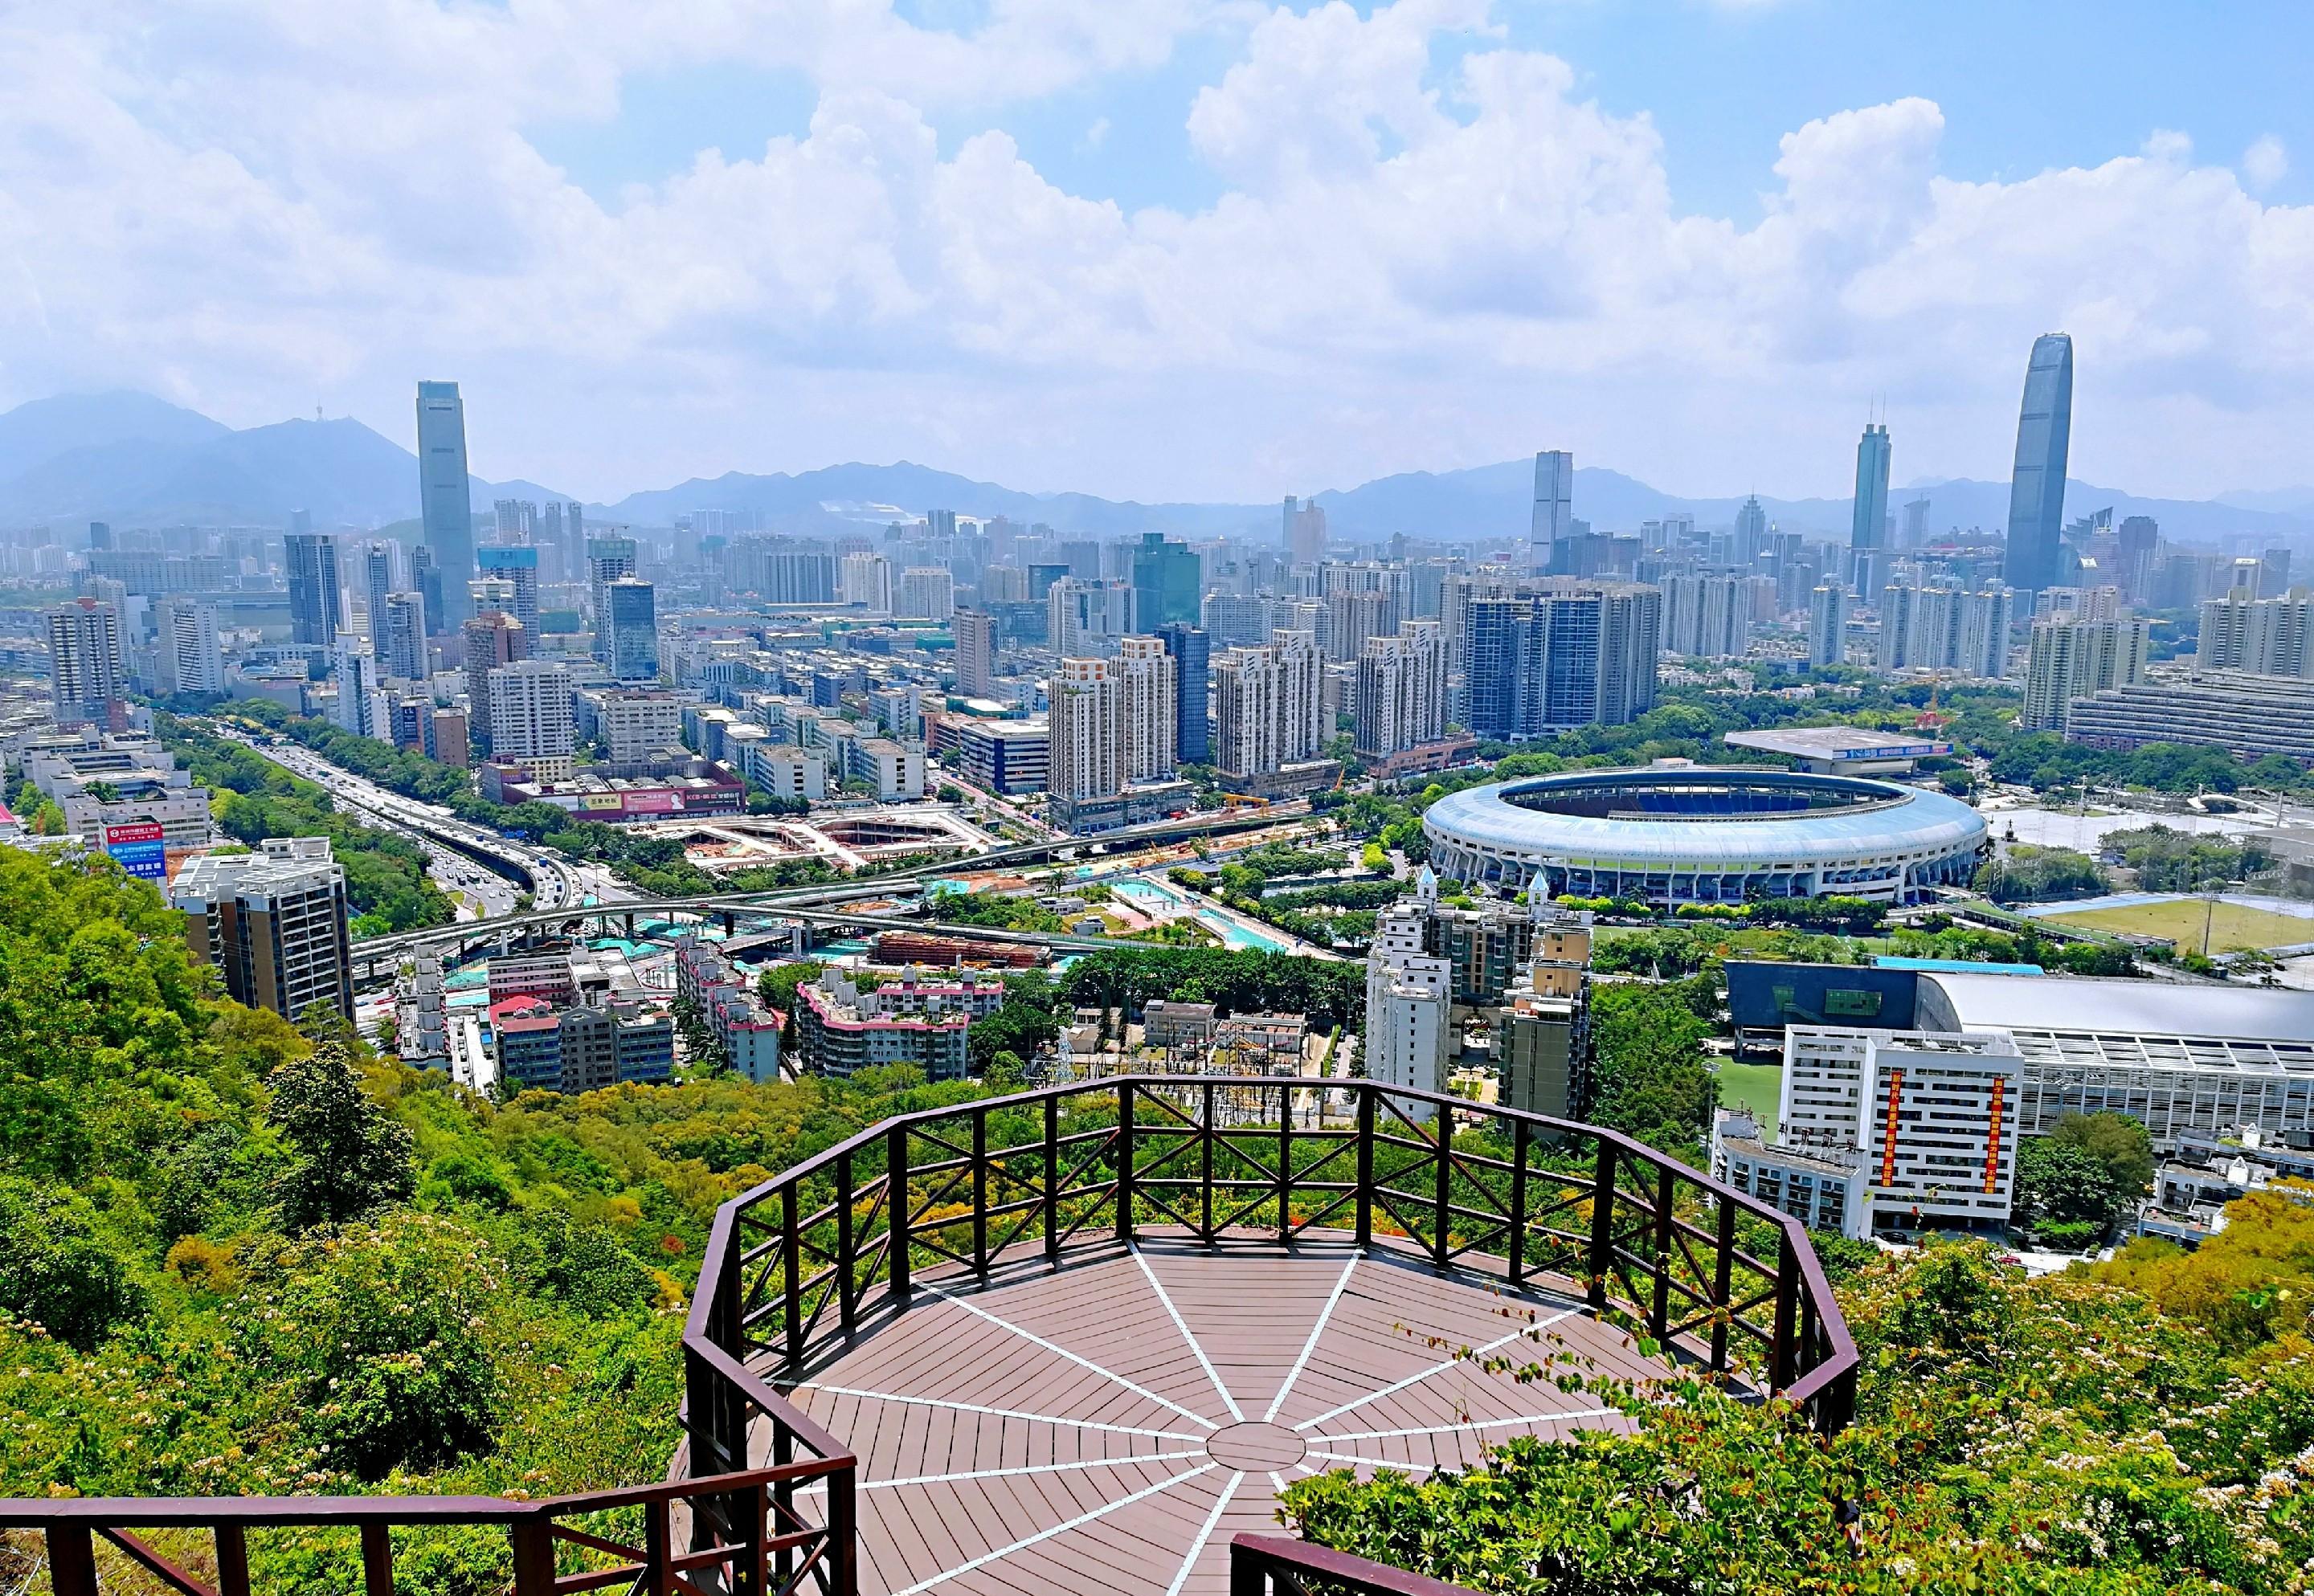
x: 135, y: 460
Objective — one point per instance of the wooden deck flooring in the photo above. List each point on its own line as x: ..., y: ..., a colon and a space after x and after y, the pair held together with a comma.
x: 1107, y: 1428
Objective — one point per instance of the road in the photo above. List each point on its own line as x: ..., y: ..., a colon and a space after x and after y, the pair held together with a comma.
x: 481, y: 892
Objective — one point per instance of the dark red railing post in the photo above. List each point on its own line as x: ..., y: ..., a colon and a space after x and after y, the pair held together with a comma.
x: 1286, y: 1163
x: 659, y: 1548
x: 791, y: 1269
x: 1723, y: 1269
x: 1788, y: 1283
x: 377, y: 1560
x: 1249, y: 1575
x: 533, y: 1537
x: 897, y: 1205
x: 1603, y: 1224
x: 1124, y: 1162
x: 1366, y: 1166
x: 1052, y: 1180
x: 1205, y: 1166
x: 72, y: 1560
x: 232, y: 1560
x: 980, y: 1192
x: 1659, y: 1310
x: 1515, y: 1249
x: 843, y: 1533
x: 1442, y: 1118
x: 847, y: 1298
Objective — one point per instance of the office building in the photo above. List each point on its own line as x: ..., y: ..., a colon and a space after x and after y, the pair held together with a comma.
x: 1560, y: 655
x: 926, y: 593
x: 1005, y: 756
x: 608, y: 558
x: 1305, y: 531
x: 1086, y: 744
x: 1828, y: 640
x: 1166, y: 583
x: 446, y: 496
x: 1939, y: 629
x: 629, y: 627
x: 635, y: 726
x: 1192, y: 728
x: 1554, y: 507
x: 379, y: 581
x: 453, y: 739
x: 2263, y: 637
x: 2137, y: 548
x: 867, y: 581
x: 1148, y: 713
x: 1085, y: 618
x: 530, y: 717
x: 975, y: 653
x: 1270, y: 706
x: 274, y: 924
x: 2036, y: 488
x: 401, y: 638
x: 2072, y: 659
x: 316, y: 610
x: 782, y: 772
x: 1706, y: 617
x: 190, y: 657
x: 1868, y: 531
x: 426, y: 581
x: 1401, y: 696
x: 361, y: 692
x: 519, y: 568
x: 2250, y: 716
x: 1409, y: 1034
x: 489, y: 639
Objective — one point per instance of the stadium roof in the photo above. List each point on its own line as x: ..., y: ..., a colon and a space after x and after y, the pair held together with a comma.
x: 1839, y: 742
x: 2149, y: 1007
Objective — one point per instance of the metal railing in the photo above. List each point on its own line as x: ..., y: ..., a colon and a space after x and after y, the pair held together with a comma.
x: 1278, y: 1565
x: 800, y: 1266
x: 834, y: 1247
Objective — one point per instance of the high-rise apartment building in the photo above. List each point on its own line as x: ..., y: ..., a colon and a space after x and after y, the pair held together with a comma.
x: 1939, y: 629
x: 1236, y: 620
x: 274, y: 924
x: 867, y: 581
x: 401, y: 638
x: 926, y: 593
x: 1408, y: 1036
x: 1087, y: 618
x: 2036, y: 488
x: 1827, y: 641
x: 519, y: 568
x: 1867, y: 527
x: 86, y: 670
x: 2268, y: 637
x: 1401, y: 690
x: 378, y: 580
x: 1191, y: 649
x: 185, y: 636
x: 1561, y: 654
x: 2070, y: 660
x: 1148, y: 712
x: 1706, y: 617
x: 316, y: 610
x: 630, y: 629
x: 491, y: 639
x: 516, y: 519
x: 530, y: 716
x: 608, y: 558
x: 446, y: 496
x: 1084, y: 718
x: 361, y: 692
x: 1270, y: 706
x: 975, y: 653
x: 1167, y: 582
x: 1305, y: 532
x: 1354, y: 616
x: 1554, y: 507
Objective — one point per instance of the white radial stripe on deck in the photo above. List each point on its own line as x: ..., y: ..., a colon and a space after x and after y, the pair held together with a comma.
x: 1438, y: 1368
x: 1325, y: 1317
x: 1181, y: 1324
x: 1081, y: 1361
x: 1004, y: 1413
x: 1205, y: 1534
x: 1065, y: 1525
x: 1528, y: 1419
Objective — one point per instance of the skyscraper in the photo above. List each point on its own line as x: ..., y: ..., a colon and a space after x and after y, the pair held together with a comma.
x: 378, y: 582
x: 400, y: 640
x: 1566, y: 655
x: 2036, y: 488
x: 1166, y: 581
x: 1083, y: 695
x: 1269, y: 705
x: 426, y: 581
x: 631, y: 607
x: 1305, y: 532
x: 867, y: 580
x: 975, y: 653
x: 2070, y: 660
x: 316, y: 613
x: 530, y: 716
x: 608, y: 560
x: 1401, y: 690
x: 1751, y: 532
x: 1868, y: 526
x: 1191, y: 649
x: 518, y: 566
x: 1148, y: 718
x: 1828, y: 625
x: 1554, y: 506
x: 444, y: 496
x: 186, y: 638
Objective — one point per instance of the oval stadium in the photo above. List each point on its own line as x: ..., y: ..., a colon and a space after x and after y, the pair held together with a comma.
x: 1702, y: 834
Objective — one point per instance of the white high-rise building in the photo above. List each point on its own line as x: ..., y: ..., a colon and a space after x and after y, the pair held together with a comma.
x: 1554, y: 506
x: 401, y: 638
x: 927, y: 593
x: 975, y: 653
x: 1939, y: 629
x: 192, y: 660
x: 1402, y: 690
x: 867, y: 580
x: 2070, y: 660
x: 358, y: 688
x: 531, y: 723
x: 1087, y: 618
x: 1084, y: 718
x: 85, y: 667
x: 1706, y: 617
x: 1409, y: 1003
x: 1269, y: 705
x: 1148, y: 718
x: 1828, y: 626
x: 2267, y: 636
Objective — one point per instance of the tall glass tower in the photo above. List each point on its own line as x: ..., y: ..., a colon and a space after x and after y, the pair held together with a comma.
x: 445, y: 499
x: 1554, y: 507
x: 1868, y: 528
x: 2037, y: 489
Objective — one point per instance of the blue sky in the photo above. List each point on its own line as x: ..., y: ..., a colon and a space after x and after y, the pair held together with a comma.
x: 1179, y: 247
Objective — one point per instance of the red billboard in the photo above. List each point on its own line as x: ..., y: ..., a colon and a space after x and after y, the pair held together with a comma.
x: 135, y: 831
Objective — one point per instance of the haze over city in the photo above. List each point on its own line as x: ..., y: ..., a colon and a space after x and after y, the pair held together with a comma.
x: 1178, y: 250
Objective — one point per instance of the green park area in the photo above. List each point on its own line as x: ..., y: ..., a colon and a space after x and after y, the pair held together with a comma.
x: 2232, y: 927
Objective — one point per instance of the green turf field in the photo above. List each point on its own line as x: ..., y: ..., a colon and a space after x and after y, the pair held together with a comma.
x: 2232, y: 925
x: 1756, y: 1087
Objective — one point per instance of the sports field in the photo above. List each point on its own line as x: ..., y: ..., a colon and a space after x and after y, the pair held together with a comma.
x: 1756, y: 1087
x: 2233, y: 927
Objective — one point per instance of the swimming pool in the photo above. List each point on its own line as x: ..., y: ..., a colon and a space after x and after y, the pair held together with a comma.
x: 1164, y: 898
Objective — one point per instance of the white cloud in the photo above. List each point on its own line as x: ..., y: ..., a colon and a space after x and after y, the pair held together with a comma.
x: 1421, y: 258
x: 2265, y: 164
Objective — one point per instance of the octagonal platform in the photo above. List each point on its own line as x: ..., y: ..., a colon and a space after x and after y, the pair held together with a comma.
x: 1106, y: 1427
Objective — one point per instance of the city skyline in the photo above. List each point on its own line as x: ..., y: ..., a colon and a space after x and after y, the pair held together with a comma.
x: 1309, y: 246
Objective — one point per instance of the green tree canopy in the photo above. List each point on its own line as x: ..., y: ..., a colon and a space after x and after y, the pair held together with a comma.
x: 347, y: 1157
